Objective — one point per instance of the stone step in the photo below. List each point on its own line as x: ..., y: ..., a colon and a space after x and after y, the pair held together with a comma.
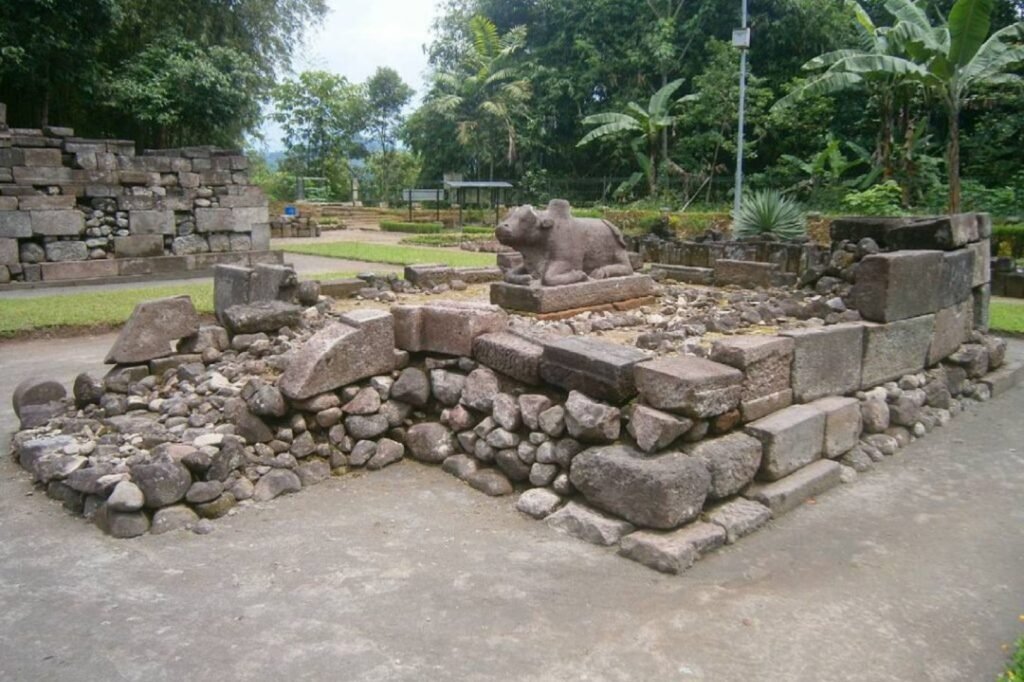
x: 1005, y: 378
x: 790, y: 492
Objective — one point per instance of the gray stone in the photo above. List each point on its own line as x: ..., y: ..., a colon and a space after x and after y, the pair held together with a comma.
x: 672, y: 552
x: 501, y: 439
x: 766, y: 363
x: 388, y: 452
x: 739, y: 518
x: 36, y: 391
x: 449, y: 328
x: 939, y: 232
x: 982, y: 273
x: 88, y: 390
x: 395, y: 412
x: 267, y: 401
x: 366, y: 427
x: 162, y: 483
x: 66, y: 251
x: 790, y: 492
x: 897, y: 286
x: 189, y: 244
x: 589, y: 524
x: 276, y: 482
x: 366, y: 401
x: 662, y: 492
x: 510, y: 354
x: 362, y: 452
x: 505, y: 411
x: 153, y: 330
x: 303, y: 445
x: 842, y: 424
x: 313, y: 472
x: 542, y: 474
x: 883, y: 442
x: 178, y: 517
x: 952, y: 328
x: 732, y: 460
x: 447, y: 386
x: 412, y: 387
x: 591, y: 421
x: 530, y: 407
x: 490, y: 482
x: 874, y: 415
x: 689, y: 385
x: 826, y: 360
x: 894, y: 349
x: 139, y: 246
x: 655, y: 430
x: 430, y: 442
x: 552, y: 421
x: 957, y: 276
x: 512, y: 466
x: 460, y: 466
x: 1005, y: 378
x: 262, y: 316
x: 595, y: 367
x: 126, y: 497
x: 538, y: 503
x: 479, y: 390
x: 247, y: 425
x: 791, y: 438
x: 121, y: 525
x: 857, y: 459
x: 552, y: 299
x: 359, y: 347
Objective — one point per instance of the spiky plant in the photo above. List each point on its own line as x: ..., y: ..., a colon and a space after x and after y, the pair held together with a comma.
x: 769, y: 212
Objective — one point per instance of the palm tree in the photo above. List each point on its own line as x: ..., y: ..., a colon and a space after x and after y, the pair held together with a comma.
x: 949, y: 61
x: 646, y: 125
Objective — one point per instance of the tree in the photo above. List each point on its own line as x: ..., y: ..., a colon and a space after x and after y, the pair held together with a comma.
x: 646, y: 125
x: 386, y: 96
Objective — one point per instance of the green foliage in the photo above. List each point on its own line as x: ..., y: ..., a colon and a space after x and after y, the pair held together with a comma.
x: 769, y: 212
x: 386, y: 173
x: 416, y: 228
x: 881, y: 199
x: 1004, y: 201
x: 1008, y: 240
x: 386, y: 96
x: 448, y: 239
x: 396, y: 255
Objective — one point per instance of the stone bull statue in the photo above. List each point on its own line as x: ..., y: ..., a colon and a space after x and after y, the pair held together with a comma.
x: 559, y: 249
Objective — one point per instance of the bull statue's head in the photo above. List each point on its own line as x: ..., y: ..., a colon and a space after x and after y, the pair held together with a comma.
x: 524, y: 226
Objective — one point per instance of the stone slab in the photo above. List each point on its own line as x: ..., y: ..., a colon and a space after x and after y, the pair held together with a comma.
x: 691, y: 386
x: 766, y: 363
x: 510, y: 354
x: 598, y: 368
x: 672, y: 552
x: 981, y: 299
x: 895, y: 349
x: 588, y: 524
x: 746, y: 274
x: 57, y: 223
x: 342, y: 288
x: 982, y: 262
x: 952, y: 327
x: 448, y: 328
x: 558, y: 298
x: 232, y: 285
x: 15, y: 225
x: 826, y: 360
x: 732, y: 460
x: 789, y: 493
x: 739, y: 517
x: 897, y: 286
x: 139, y: 246
x: 9, y: 251
x: 72, y: 270
x: 151, y: 222
x: 1004, y: 379
x: 153, y: 330
x: 47, y: 202
x: 790, y: 438
x: 843, y: 424
x: 686, y: 273
x: 957, y: 274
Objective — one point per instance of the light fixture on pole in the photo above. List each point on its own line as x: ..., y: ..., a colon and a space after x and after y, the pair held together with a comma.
x: 741, y: 40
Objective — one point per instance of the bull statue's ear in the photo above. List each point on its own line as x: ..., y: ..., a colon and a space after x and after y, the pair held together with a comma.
x: 547, y: 224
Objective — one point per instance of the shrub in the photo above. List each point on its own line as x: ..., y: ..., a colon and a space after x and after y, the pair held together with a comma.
x: 1008, y: 240
x: 768, y: 212
x: 445, y: 239
x: 1015, y: 668
x: 413, y: 228
x: 882, y: 199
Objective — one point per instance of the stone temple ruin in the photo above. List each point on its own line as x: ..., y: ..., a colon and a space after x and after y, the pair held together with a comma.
x: 666, y: 425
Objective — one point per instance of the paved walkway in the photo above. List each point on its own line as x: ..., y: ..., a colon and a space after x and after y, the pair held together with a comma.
x: 913, y: 572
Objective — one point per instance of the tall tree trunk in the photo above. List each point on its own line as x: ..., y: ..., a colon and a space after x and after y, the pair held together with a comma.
x: 664, y: 131
x: 652, y: 177
x: 953, y: 157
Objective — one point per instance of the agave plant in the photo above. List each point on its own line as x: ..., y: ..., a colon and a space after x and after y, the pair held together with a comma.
x: 769, y: 212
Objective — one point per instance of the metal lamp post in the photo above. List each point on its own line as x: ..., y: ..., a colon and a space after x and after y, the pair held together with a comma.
x: 741, y: 40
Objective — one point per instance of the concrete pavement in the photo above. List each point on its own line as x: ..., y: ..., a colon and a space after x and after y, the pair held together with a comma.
x: 912, y: 572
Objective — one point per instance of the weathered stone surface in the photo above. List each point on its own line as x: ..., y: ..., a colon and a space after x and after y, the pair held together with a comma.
x: 601, y: 369
x: 655, y: 430
x: 842, y: 424
x: 672, y: 552
x: 895, y: 349
x: 430, y: 442
x: 1005, y: 378
x: 791, y: 438
x: 121, y: 525
x: 538, y: 502
x: 162, y: 483
x: 510, y: 354
x: 662, y: 492
x: 957, y: 276
x: 177, y: 517
x: 139, y: 246
x: 232, y: 285
x: 939, y: 232
x: 490, y: 482
x: 262, y: 316
x: 591, y: 421
x: 479, y: 389
x: 732, y: 460
x: 692, y: 386
x: 267, y: 401
x: 276, y: 482
x: 153, y: 330
x: 449, y: 328
x: 203, y: 491
x: 739, y: 517
x: 36, y: 391
x: 358, y: 347
x: 447, y: 386
x: 388, y: 452
x: 764, y: 360
x: 973, y: 358
x: 790, y: 492
x: 897, y: 286
x: 366, y: 427
x: 952, y: 327
x: 511, y: 465
x: 460, y: 466
x: 87, y: 389
x: 551, y: 299
x: 746, y: 274
x: 412, y: 387
x: 826, y: 360
x: 126, y: 497
x: 530, y: 407
x: 588, y: 524
x: 982, y: 273
x: 67, y: 223
x: 752, y: 410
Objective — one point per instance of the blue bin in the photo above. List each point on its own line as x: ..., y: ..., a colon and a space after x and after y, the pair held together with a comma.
x: 291, y: 211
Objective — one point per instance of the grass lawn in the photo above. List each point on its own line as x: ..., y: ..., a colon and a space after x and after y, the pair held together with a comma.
x: 1007, y: 315
x: 396, y: 255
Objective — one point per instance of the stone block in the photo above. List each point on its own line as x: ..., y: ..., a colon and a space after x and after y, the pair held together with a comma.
x: 788, y: 493
x: 685, y: 273
x: 826, y: 360
x: 139, y: 246
x: 427, y: 275
x: 261, y: 237
x: 232, y: 285
x: 941, y: 233
x: 449, y: 328
x: 739, y: 518
x: 16, y: 224
x: 952, y: 327
x: 47, y: 202
x: 1006, y: 378
x: 362, y: 345
x: 592, y: 366
x: 894, y: 349
x: 215, y: 220
x: 66, y: 251
x: 72, y: 270
x: 896, y: 286
x: 842, y: 424
x: 957, y: 274
x: 273, y: 283
x: 672, y: 552
x: 790, y: 438
x: 766, y: 363
x: 691, y: 386
x: 261, y: 316
x: 8, y: 251
x: 982, y: 273
x: 982, y: 297
x: 746, y: 274
x: 511, y: 354
x: 153, y: 331
x: 857, y: 228
x: 43, y: 175
x: 732, y: 460
x: 663, y: 492
x: 588, y: 524
x: 655, y: 430
x: 35, y: 158
x: 151, y: 222
x: 571, y: 296
x: 57, y: 223
x: 341, y: 288
x: 243, y: 219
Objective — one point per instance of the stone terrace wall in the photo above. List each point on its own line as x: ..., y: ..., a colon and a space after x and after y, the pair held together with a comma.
x: 790, y: 258
x: 72, y: 208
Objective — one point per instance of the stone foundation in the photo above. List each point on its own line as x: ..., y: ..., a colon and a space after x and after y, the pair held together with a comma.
x: 571, y: 296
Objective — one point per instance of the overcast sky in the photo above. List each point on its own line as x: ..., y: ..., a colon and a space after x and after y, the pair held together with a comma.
x: 358, y: 36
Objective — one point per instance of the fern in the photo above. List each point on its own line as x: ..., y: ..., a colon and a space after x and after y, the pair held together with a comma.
x: 768, y: 212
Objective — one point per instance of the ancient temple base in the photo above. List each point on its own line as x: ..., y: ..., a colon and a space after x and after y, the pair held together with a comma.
x: 585, y: 295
